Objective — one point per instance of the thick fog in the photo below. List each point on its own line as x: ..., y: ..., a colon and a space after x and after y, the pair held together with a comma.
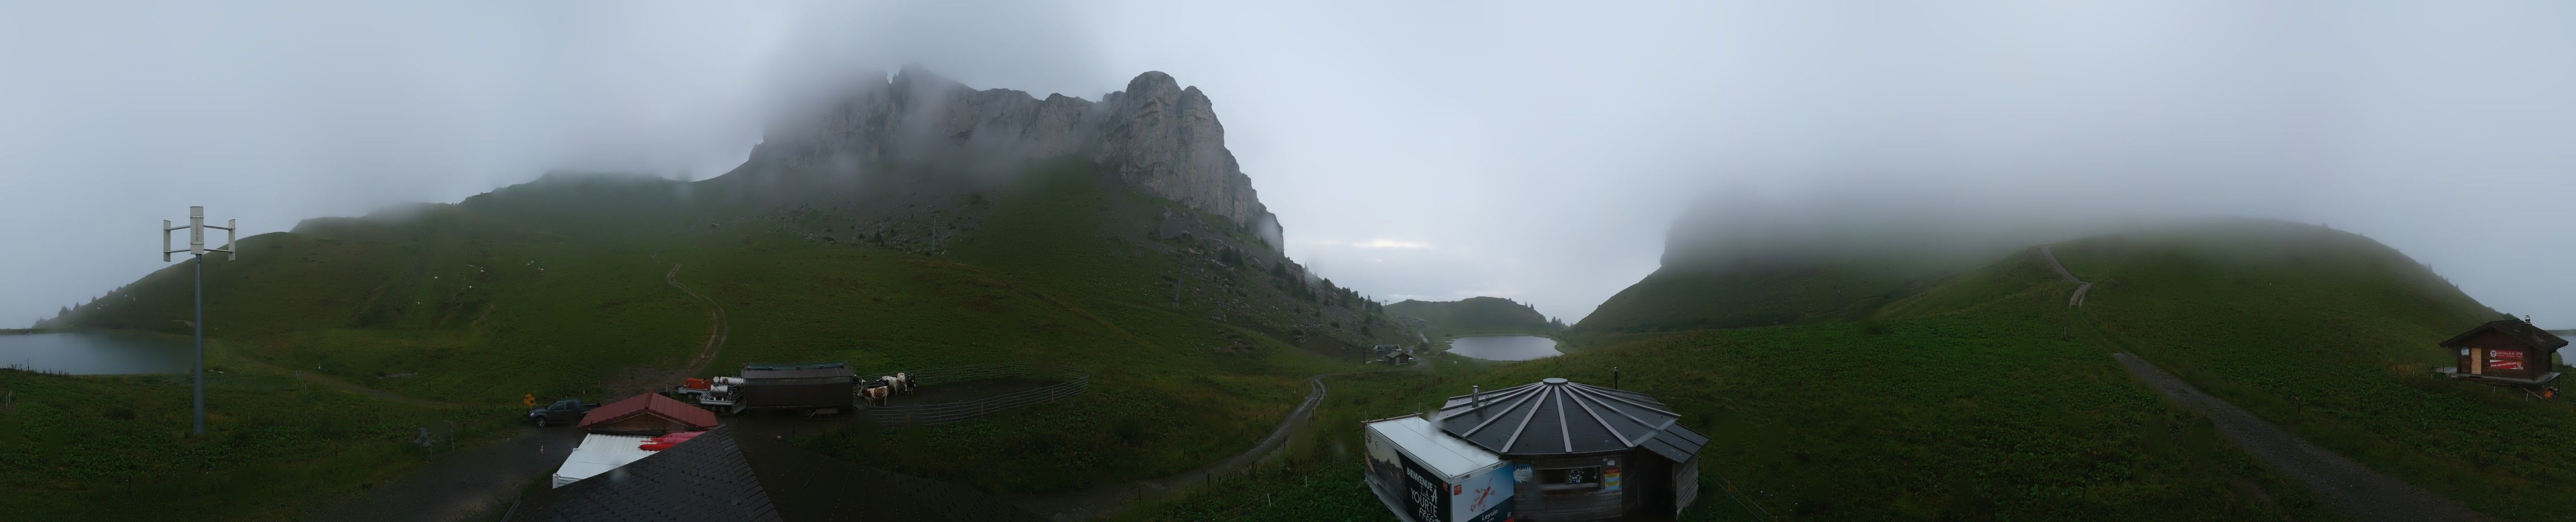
x: 1435, y: 150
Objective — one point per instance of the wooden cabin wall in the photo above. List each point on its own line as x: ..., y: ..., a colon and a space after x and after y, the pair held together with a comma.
x: 1648, y: 484
x: 1685, y: 484
x: 1531, y: 504
x: 2535, y: 362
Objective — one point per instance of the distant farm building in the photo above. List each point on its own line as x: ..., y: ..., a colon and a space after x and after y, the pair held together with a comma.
x: 1549, y: 451
x: 1392, y: 353
x: 648, y: 414
x: 2508, y: 352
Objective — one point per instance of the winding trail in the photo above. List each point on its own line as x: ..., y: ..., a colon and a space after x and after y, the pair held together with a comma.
x: 2086, y: 286
x: 1110, y: 499
x: 718, y: 327
x: 480, y: 481
x: 2349, y: 488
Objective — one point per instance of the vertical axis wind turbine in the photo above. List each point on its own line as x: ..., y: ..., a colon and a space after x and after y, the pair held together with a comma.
x: 197, y: 248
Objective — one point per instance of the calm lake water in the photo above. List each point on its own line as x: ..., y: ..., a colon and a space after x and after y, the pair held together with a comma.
x: 1505, y: 347
x: 95, y: 353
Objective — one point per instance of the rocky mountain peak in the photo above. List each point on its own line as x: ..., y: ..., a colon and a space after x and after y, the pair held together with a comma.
x: 1160, y: 137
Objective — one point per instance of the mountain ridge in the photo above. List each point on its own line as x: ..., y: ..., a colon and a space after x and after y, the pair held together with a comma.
x: 1158, y: 136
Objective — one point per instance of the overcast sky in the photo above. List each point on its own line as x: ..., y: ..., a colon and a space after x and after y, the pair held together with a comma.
x: 1433, y: 150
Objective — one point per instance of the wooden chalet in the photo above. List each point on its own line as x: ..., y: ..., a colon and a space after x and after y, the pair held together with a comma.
x: 648, y: 414
x: 2507, y: 352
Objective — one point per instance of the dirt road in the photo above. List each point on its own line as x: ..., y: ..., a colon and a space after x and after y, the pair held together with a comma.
x: 2346, y: 486
x: 1105, y: 500
x: 717, y: 330
x: 2086, y: 286
x: 480, y: 481
x: 473, y: 483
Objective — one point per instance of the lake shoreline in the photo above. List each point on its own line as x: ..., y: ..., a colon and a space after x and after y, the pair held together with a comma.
x: 95, y: 352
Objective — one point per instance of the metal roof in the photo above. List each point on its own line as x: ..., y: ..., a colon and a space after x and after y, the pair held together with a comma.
x: 1559, y: 417
x: 716, y: 477
x: 703, y: 479
x: 796, y: 371
x: 653, y: 403
x: 598, y: 453
x: 1446, y: 455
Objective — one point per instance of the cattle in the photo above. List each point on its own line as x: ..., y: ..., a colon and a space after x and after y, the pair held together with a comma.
x: 875, y: 395
x: 893, y: 384
x: 904, y: 382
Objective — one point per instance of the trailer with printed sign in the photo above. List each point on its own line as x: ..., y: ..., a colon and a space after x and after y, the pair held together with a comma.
x: 1424, y: 476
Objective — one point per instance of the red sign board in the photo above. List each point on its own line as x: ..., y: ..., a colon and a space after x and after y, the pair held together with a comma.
x: 2504, y: 360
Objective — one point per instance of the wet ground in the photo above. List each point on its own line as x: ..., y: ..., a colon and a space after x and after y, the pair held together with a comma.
x: 472, y: 483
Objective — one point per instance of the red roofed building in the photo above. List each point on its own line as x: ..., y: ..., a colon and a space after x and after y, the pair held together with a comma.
x: 648, y: 413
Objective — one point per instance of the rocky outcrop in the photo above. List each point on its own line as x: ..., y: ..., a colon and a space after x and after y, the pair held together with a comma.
x: 1159, y: 137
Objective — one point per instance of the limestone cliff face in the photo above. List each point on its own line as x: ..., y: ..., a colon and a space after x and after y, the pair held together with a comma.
x: 1159, y: 137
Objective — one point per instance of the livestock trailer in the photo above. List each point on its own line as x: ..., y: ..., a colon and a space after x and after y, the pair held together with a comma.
x: 807, y: 385
x: 1425, y: 476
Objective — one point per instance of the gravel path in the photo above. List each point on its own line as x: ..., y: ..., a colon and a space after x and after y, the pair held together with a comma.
x: 1110, y: 499
x: 718, y: 328
x: 481, y: 481
x: 477, y: 482
x: 2086, y: 286
x: 2346, y: 486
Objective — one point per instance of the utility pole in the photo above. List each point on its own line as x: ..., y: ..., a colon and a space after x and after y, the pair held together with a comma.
x: 197, y: 249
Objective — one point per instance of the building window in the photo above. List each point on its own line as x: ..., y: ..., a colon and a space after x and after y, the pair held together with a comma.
x: 1570, y: 479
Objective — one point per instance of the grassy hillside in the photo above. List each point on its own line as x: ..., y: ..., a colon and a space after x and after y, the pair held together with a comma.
x: 1475, y: 316
x: 1986, y: 410
x: 116, y: 447
x: 1197, y: 341
x: 1678, y: 298
x: 2333, y: 336
x: 1980, y: 395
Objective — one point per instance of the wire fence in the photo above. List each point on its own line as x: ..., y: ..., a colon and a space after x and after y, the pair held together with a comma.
x: 1071, y: 381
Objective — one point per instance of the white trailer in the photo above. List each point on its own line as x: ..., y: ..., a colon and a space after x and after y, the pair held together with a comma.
x: 1424, y: 475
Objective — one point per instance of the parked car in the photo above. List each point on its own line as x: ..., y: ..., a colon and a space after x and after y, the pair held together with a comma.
x: 566, y: 411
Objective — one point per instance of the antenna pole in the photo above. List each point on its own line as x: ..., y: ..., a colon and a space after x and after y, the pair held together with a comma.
x: 200, y: 427
x: 197, y: 250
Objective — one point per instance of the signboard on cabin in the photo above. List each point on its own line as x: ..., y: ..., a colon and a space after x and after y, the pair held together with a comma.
x: 2504, y: 360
